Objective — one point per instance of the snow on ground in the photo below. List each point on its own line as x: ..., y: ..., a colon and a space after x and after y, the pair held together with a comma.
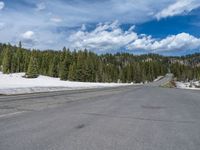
x: 16, y: 84
x: 158, y: 78
x: 188, y: 85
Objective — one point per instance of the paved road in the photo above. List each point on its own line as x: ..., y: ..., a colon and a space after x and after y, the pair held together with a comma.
x: 124, y: 118
x: 163, y: 80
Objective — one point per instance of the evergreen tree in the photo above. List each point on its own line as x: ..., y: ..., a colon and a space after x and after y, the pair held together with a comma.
x: 65, y: 64
x: 6, y: 64
x: 32, y: 68
x: 14, y: 64
x: 64, y: 69
x: 72, y: 72
x: 19, y: 59
x: 80, y: 72
x: 53, y: 71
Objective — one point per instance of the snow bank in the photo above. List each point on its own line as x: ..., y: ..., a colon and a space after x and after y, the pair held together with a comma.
x: 16, y: 84
x: 188, y: 85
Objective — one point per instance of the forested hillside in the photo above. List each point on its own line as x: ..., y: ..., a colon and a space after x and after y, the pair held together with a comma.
x: 88, y: 66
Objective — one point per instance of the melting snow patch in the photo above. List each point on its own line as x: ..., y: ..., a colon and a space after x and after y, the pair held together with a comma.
x: 188, y: 85
x: 16, y: 84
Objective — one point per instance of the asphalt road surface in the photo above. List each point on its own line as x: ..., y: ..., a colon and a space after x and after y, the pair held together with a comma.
x: 124, y: 118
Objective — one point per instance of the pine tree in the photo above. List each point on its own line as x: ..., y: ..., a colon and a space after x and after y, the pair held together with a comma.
x: 32, y: 68
x: 7, y: 61
x: 14, y: 64
x: 53, y: 71
x: 19, y: 58
x: 80, y: 72
x: 64, y: 69
x: 64, y: 65
x: 72, y: 72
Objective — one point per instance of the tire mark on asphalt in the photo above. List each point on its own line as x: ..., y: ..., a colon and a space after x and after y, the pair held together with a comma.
x: 142, y: 119
x: 11, y: 114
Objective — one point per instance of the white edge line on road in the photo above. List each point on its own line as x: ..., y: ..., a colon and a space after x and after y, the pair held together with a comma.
x: 11, y: 114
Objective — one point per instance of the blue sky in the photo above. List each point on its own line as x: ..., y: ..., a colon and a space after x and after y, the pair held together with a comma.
x: 169, y: 27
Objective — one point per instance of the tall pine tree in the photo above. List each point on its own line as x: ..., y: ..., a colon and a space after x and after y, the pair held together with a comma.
x: 7, y: 58
x: 32, y: 68
x: 72, y: 72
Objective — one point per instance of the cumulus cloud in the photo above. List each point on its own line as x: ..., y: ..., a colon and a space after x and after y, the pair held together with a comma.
x: 28, y: 35
x: 106, y: 36
x: 182, y: 41
x: 55, y: 23
x: 110, y: 36
x: 178, y: 8
x: 2, y: 5
x: 28, y: 38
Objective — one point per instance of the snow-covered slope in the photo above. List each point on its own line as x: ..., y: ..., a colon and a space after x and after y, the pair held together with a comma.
x: 16, y: 84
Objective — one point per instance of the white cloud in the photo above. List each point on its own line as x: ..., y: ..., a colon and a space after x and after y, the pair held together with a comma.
x: 28, y: 38
x: 56, y: 19
x: 106, y: 36
x: 110, y: 36
x: 178, y: 8
x: 2, y: 5
x: 28, y: 35
x: 182, y: 41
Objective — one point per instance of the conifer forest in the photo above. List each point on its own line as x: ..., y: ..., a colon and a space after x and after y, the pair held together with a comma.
x: 87, y: 66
